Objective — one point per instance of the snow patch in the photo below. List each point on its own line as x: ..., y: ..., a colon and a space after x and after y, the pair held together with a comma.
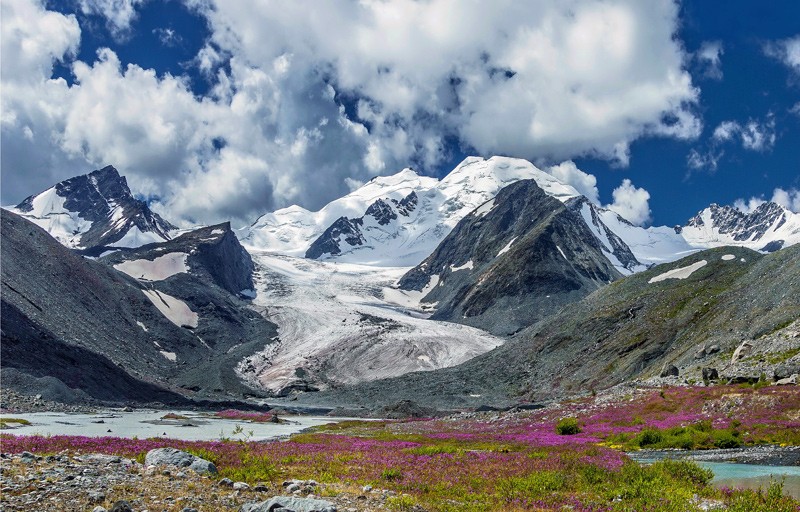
x: 468, y: 265
x: 506, y: 248
x: 140, y: 324
x: 136, y: 238
x: 175, y: 310
x: 562, y: 253
x: 155, y: 270
x: 728, y: 257
x: 485, y: 208
x: 218, y: 232
x: 169, y: 355
x: 679, y: 273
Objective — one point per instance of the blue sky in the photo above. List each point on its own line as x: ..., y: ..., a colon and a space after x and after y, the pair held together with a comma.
x: 228, y: 110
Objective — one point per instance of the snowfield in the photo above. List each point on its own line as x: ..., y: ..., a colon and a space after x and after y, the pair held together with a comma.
x: 156, y: 270
x: 679, y: 273
x: 335, y: 326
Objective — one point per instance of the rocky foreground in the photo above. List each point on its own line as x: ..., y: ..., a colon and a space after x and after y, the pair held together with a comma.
x: 98, y: 483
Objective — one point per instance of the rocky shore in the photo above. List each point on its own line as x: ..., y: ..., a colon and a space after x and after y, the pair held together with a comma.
x: 94, y: 482
x: 766, y: 455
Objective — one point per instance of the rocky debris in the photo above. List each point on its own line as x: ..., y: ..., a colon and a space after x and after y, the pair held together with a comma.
x: 406, y: 409
x: 175, y: 457
x: 743, y: 379
x: 13, y: 401
x: 742, y: 351
x: 67, y: 482
x: 707, y: 351
x: 669, y: 370
x: 287, y: 504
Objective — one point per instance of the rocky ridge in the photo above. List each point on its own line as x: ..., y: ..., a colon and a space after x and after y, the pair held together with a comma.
x: 95, y: 211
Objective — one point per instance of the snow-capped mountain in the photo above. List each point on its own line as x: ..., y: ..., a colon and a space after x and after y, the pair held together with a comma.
x: 94, y: 211
x: 394, y: 220
x: 767, y: 228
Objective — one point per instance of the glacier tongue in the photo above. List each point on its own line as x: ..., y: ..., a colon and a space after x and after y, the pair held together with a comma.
x: 335, y: 327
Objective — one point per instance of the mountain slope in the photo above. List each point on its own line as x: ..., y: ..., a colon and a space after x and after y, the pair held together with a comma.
x: 394, y: 220
x: 94, y: 211
x: 512, y: 262
x: 626, y: 330
x: 181, y: 330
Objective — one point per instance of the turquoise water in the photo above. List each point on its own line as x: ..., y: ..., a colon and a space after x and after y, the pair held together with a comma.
x: 749, y: 476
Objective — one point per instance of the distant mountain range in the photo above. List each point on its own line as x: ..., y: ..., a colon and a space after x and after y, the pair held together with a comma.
x: 373, y: 285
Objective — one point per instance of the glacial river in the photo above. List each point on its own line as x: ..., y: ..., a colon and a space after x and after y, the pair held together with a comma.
x: 146, y: 424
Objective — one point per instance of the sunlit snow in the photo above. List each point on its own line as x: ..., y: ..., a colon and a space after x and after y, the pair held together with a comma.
x: 174, y: 309
x: 155, y: 270
x: 679, y: 273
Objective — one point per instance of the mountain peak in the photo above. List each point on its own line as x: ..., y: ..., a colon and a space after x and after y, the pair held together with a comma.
x: 94, y: 211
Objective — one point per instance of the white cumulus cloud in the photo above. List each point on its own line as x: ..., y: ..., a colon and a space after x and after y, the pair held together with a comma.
x: 631, y: 203
x: 567, y: 172
x: 710, y: 58
x: 317, y: 96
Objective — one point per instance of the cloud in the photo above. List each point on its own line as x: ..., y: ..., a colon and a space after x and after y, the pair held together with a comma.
x: 709, y: 57
x: 167, y: 36
x: 567, y: 172
x: 754, y: 135
x: 631, y: 203
x: 789, y: 199
x: 787, y: 51
x: 314, y: 97
x: 708, y: 160
x: 119, y: 14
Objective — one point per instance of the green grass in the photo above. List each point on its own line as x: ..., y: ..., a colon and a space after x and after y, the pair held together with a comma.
x: 4, y: 422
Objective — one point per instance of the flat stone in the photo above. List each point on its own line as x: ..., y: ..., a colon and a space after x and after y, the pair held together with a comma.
x: 291, y: 503
x: 175, y: 457
x: 241, y: 486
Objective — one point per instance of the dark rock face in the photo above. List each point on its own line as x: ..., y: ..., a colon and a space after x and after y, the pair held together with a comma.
x: 348, y: 231
x: 513, y: 266
x: 775, y: 245
x: 744, y: 226
x: 328, y: 242
x: 92, y: 331
x: 669, y: 370
x: 103, y: 198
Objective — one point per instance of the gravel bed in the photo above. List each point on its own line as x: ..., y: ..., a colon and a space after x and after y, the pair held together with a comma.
x: 764, y: 455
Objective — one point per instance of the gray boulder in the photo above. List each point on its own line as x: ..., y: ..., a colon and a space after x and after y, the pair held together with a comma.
x: 181, y: 459
x: 788, y: 381
x: 290, y: 503
x: 742, y: 351
x: 710, y: 374
x: 786, y: 369
x: 121, y: 506
x: 669, y: 370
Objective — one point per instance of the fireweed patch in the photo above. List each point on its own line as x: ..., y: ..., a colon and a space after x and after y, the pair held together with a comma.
x: 508, y: 461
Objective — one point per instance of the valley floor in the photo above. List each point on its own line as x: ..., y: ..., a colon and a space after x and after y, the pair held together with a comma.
x: 571, y: 454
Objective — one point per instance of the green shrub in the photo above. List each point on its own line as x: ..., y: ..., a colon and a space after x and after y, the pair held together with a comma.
x: 648, y: 437
x: 391, y: 474
x: 568, y: 427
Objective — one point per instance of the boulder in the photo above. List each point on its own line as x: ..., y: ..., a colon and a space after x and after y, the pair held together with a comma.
x: 241, y: 486
x: 788, y: 381
x: 742, y: 351
x: 710, y: 374
x: 181, y: 459
x: 743, y: 379
x: 290, y: 503
x: 669, y: 370
x: 786, y: 369
x: 225, y: 482
x: 121, y: 506
x: 713, y: 349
